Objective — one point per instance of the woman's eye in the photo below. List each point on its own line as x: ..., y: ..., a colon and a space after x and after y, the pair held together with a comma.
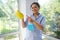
x: 34, y: 7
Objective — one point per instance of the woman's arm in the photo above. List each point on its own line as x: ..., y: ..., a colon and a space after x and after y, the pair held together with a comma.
x: 23, y: 23
x: 39, y: 26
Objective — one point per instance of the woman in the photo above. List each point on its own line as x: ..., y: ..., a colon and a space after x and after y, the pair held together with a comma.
x: 38, y: 23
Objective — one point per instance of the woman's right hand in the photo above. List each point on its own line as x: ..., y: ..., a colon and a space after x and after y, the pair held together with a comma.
x: 23, y: 23
x: 30, y: 19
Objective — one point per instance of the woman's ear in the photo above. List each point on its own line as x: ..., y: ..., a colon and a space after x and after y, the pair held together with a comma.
x: 39, y: 9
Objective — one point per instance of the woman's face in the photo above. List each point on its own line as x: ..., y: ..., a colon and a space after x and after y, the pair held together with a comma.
x: 35, y: 8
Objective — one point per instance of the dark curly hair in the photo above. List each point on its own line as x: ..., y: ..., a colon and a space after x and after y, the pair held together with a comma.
x: 36, y: 4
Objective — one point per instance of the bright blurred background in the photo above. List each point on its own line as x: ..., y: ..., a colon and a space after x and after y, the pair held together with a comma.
x: 51, y: 10
x: 9, y: 23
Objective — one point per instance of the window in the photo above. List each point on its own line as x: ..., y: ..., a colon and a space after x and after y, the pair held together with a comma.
x: 8, y: 20
x: 50, y: 9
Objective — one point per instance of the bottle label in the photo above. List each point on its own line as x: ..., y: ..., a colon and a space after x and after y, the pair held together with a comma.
x: 30, y: 27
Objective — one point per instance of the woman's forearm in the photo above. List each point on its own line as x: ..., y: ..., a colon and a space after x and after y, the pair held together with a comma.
x: 23, y: 23
x: 39, y: 26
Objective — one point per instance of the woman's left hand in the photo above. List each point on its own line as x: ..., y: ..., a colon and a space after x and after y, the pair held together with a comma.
x: 30, y: 19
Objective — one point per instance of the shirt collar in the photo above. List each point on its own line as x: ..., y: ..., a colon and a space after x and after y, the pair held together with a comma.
x: 37, y: 16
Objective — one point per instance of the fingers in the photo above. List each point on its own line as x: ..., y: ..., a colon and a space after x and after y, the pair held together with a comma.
x: 27, y: 16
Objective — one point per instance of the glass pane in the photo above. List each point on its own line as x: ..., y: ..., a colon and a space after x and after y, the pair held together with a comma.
x: 10, y: 37
x: 51, y: 10
x: 8, y: 20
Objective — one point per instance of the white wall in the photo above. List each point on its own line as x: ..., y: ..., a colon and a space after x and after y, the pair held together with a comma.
x: 24, y: 7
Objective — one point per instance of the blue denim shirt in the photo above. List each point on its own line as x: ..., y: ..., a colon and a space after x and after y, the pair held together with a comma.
x: 35, y: 34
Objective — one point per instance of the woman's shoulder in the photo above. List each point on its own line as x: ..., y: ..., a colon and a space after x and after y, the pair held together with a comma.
x: 42, y: 15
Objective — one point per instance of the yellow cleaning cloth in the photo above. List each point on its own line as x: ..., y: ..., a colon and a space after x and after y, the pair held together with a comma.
x: 19, y: 14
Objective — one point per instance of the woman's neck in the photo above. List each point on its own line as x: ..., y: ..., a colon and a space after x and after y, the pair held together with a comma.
x: 36, y: 14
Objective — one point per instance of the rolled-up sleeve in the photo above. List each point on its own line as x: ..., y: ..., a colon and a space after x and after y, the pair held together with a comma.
x: 26, y: 21
x: 43, y: 22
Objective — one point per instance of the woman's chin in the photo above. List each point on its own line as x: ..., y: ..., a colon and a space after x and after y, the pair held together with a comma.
x: 35, y: 12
